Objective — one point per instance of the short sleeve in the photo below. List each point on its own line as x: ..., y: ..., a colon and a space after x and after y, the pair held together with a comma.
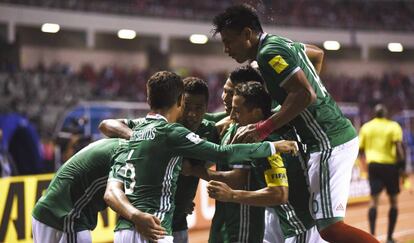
x: 278, y: 62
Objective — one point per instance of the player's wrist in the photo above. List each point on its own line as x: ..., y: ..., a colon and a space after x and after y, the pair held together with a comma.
x: 264, y: 128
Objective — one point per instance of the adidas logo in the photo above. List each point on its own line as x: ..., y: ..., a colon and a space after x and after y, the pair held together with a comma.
x: 340, y: 207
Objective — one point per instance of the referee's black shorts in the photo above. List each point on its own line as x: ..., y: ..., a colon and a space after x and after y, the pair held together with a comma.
x: 383, y: 175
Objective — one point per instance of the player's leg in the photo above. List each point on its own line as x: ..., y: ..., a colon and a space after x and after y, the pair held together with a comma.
x: 44, y: 233
x: 329, y: 174
x: 180, y: 236
x: 376, y: 185
x: 273, y: 232
x: 393, y: 188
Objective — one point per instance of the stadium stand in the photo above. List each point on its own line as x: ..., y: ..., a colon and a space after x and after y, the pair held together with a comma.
x: 373, y: 15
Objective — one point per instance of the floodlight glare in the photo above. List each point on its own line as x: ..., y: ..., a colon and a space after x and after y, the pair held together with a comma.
x: 331, y: 45
x: 198, y: 39
x: 50, y: 28
x: 395, y: 47
x: 126, y: 34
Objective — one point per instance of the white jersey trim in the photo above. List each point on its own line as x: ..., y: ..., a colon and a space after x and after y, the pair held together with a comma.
x: 289, y: 76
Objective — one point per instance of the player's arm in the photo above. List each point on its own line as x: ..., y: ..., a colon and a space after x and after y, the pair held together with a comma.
x: 188, y: 144
x: 266, y: 197
x: 146, y: 224
x: 236, y: 178
x: 115, y: 128
x: 315, y: 55
x: 398, y: 140
x: 216, y: 116
x: 300, y: 95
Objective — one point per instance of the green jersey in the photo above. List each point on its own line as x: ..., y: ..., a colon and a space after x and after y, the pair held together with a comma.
x: 294, y: 216
x: 75, y: 194
x: 187, y: 185
x: 321, y: 125
x: 153, y: 162
x: 216, y: 116
x: 234, y: 222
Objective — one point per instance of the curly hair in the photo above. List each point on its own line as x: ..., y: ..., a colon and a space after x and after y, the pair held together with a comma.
x: 245, y: 73
x: 196, y: 86
x: 255, y: 96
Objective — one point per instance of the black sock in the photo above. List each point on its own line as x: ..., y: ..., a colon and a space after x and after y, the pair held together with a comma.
x: 372, y: 216
x: 392, y: 219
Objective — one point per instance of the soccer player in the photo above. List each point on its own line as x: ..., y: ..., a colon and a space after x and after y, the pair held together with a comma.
x: 381, y: 142
x: 149, y: 174
x: 195, y: 100
x: 251, y: 103
x: 293, y: 82
x: 68, y: 210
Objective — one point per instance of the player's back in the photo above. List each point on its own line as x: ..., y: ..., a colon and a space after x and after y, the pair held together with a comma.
x: 321, y: 125
x: 75, y: 195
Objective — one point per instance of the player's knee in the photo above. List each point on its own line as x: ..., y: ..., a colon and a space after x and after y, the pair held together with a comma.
x: 332, y: 233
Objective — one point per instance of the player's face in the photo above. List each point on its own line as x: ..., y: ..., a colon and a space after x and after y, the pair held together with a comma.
x: 236, y: 45
x: 227, y: 95
x: 195, y: 106
x: 241, y: 114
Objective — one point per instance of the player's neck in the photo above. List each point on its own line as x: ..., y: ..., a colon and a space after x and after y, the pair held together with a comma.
x: 171, y: 114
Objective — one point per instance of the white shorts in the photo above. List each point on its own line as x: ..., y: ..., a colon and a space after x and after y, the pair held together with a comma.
x: 180, y: 236
x: 44, y: 233
x: 329, y: 174
x: 132, y: 236
x: 273, y: 232
x: 310, y: 236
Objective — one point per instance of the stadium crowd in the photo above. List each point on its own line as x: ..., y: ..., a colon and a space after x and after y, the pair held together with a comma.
x: 373, y: 15
x: 43, y: 93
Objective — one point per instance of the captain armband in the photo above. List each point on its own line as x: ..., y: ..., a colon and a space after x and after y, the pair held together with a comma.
x: 276, y: 177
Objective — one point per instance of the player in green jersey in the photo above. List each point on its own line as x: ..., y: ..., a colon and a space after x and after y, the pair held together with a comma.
x: 293, y: 81
x: 148, y: 176
x: 251, y: 103
x: 195, y: 99
x: 68, y: 210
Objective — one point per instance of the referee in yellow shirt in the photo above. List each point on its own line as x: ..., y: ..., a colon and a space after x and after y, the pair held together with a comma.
x: 381, y: 141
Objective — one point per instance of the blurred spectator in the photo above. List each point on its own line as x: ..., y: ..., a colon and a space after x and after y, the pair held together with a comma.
x: 7, y: 166
x: 375, y: 15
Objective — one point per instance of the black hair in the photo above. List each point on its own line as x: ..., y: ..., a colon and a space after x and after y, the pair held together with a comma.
x: 245, y: 73
x: 197, y: 86
x: 237, y: 18
x: 164, y: 89
x: 255, y: 96
x: 380, y: 111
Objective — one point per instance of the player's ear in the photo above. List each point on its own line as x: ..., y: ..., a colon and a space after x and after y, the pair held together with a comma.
x: 247, y: 33
x: 180, y: 100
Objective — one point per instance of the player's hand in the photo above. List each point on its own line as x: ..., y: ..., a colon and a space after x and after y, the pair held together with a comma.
x: 220, y: 191
x: 246, y: 134
x: 287, y: 147
x: 223, y: 125
x: 149, y: 226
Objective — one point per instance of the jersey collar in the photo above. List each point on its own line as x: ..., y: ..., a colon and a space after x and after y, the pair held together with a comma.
x: 261, y: 40
x: 155, y: 116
